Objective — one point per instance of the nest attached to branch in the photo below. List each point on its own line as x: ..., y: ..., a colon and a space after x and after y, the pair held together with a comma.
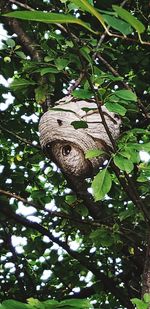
x: 65, y: 145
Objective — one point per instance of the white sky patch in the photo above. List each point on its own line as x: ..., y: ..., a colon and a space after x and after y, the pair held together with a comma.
x: 18, y: 240
x: 74, y: 245
x: 41, y: 259
x: 55, y: 247
x: 32, y: 118
x: 3, y: 35
x: 92, y: 250
x: 1, y: 168
x: 89, y: 276
x: 144, y: 156
x: 76, y: 290
x: 9, y: 265
x: 25, y: 210
x: 5, y: 82
x: 8, y: 98
x: 56, y: 234
x: 34, y: 219
x: 46, y: 275
x: 51, y: 206
x: 46, y: 239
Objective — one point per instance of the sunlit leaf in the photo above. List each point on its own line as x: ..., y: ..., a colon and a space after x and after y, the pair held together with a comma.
x: 126, y: 95
x: 11, y: 43
x: 13, y: 304
x: 101, y: 184
x: 41, y: 93
x: 75, y: 303
x: 118, y: 24
x: 140, y: 304
x: 147, y: 297
x: 52, y: 18
x: 116, y: 108
x: 92, y: 153
x: 123, y: 163
x: 20, y: 54
x: 21, y: 83
x: 86, y: 6
x: 48, y: 70
x: 127, y: 16
x: 82, y: 93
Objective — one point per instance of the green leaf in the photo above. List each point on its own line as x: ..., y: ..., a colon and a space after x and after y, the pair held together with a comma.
x: 123, y: 163
x: 126, y: 95
x: 141, y: 146
x: 139, y: 303
x: 102, y: 237
x: 61, y: 63
x: 41, y: 93
x: 79, y: 124
x: 50, y: 18
x: 147, y: 297
x: 10, y: 43
x: 101, y: 184
x: 145, y: 146
x: 92, y: 153
x: 13, y: 304
x: 126, y: 213
x: 21, y: 83
x: 124, y: 14
x: 118, y: 24
x: 85, y: 53
x: 51, y: 304
x: 20, y: 54
x: 82, y: 94
x: 86, y: 6
x: 142, y: 178
x: 48, y: 70
x: 75, y: 304
x: 70, y: 199
x: 116, y: 108
x: 35, y: 303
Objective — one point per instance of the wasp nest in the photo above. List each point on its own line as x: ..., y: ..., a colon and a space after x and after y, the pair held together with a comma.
x: 65, y: 145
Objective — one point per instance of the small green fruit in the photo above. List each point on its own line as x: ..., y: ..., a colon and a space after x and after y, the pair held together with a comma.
x: 7, y: 59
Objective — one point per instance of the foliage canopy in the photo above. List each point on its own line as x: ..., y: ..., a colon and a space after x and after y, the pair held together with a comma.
x: 56, y: 242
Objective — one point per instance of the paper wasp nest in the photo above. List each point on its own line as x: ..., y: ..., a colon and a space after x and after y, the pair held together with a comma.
x: 67, y: 146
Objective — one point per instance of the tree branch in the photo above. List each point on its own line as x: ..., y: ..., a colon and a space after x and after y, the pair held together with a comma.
x: 23, y: 5
x: 23, y: 140
x: 108, y: 283
x: 29, y: 44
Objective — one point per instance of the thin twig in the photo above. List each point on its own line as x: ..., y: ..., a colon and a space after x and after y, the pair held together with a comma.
x: 126, y: 86
x: 19, y: 198
x: 76, y: 83
x: 23, y: 140
x: 24, y: 5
